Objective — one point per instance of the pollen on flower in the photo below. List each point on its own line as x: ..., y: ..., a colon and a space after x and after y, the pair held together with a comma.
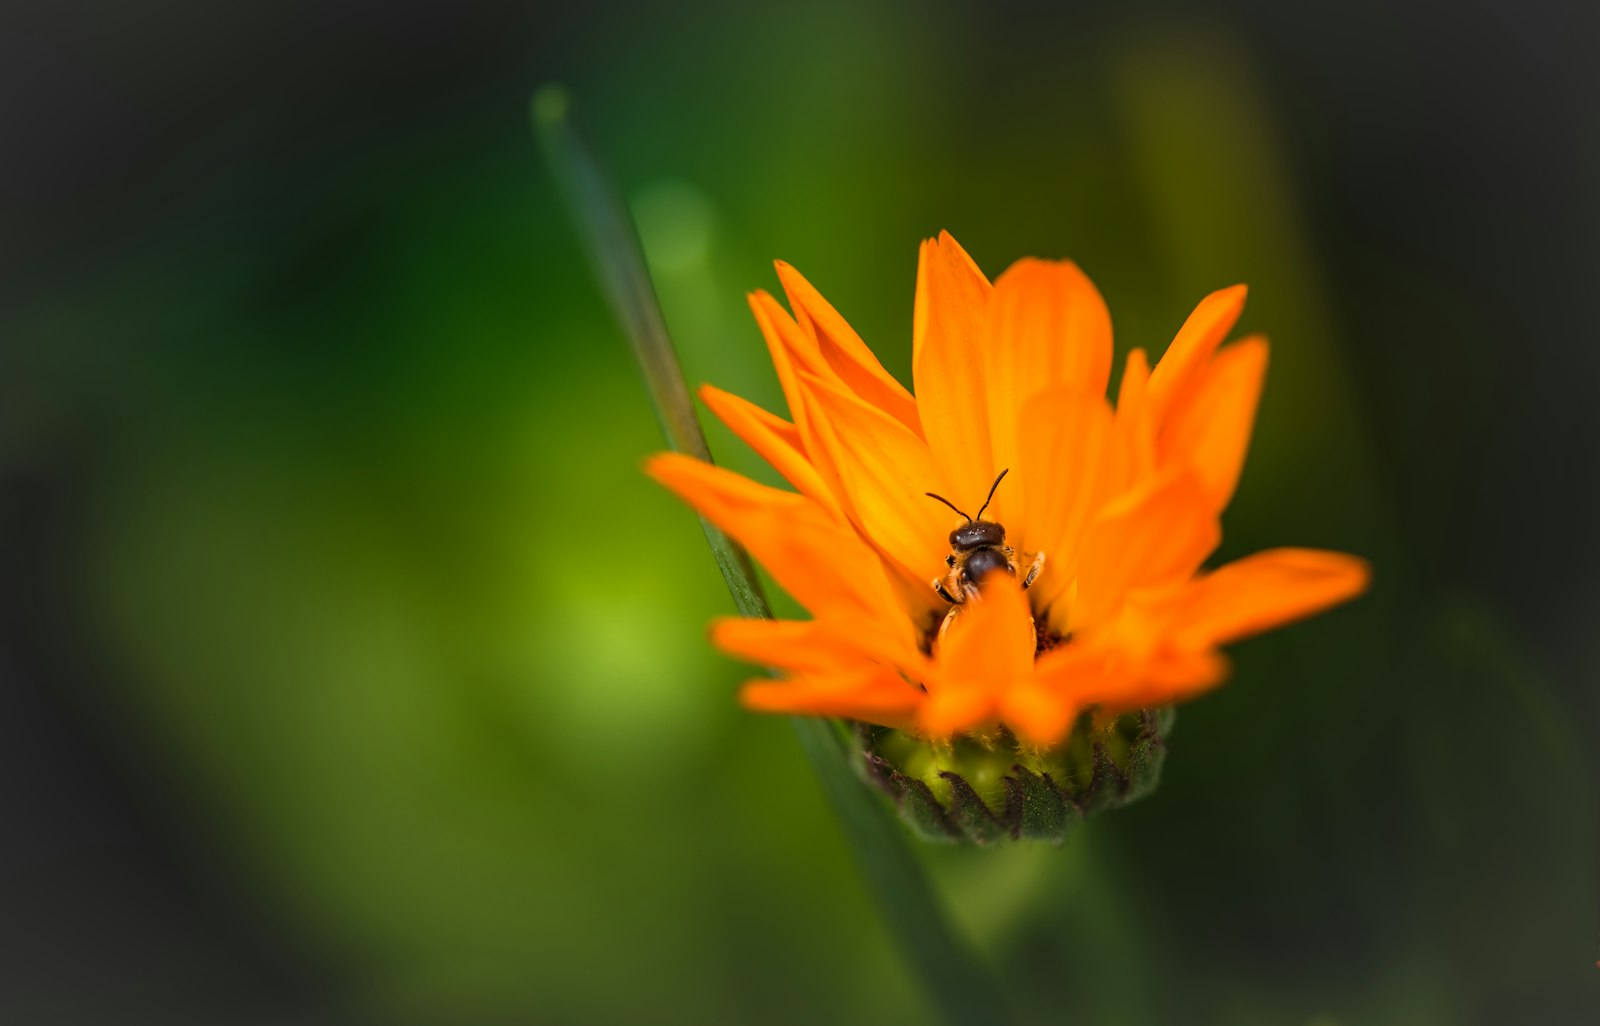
x: 1125, y: 498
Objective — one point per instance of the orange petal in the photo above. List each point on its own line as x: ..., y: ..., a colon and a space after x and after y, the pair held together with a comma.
x: 993, y: 639
x: 1088, y: 674
x: 1135, y: 381
x: 1210, y: 430
x: 949, y: 711
x: 1047, y: 329
x: 948, y: 363
x: 1264, y: 591
x: 1163, y: 680
x: 1135, y: 429
x: 800, y: 646
x: 1157, y: 535
x: 884, y: 470
x: 814, y: 557
x: 791, y: 348
x: 1038, y: 714
x: 1179, y: 675
x: 1070, y: 463
x: 988, y: 651
x: 812, y: 646
x: 1081, y: 672
x: 774, y: 439
x: 1192, y: 347
x: 793, y: 351
x: 844, y: 351
x: 870, y: 694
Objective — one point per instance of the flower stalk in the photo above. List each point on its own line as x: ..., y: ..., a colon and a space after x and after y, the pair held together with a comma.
x: 959, y: 987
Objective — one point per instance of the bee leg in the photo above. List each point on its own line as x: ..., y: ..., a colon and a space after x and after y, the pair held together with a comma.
x: 949, y: 618
x: 1033, y: 571
x: 944, y: 593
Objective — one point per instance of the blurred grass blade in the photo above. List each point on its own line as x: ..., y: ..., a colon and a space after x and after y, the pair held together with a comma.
x: 613, y: 247
x: 955, y: 982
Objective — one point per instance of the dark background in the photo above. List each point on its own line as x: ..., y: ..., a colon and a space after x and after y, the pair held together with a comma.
x: 351, y: 672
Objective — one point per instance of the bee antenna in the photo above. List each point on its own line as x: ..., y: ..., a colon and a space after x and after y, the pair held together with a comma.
x: 992, y: 487
x: 947, y: 502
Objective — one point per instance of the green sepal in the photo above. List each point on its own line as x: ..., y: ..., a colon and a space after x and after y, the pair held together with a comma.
x: 923, y: 813
x: 919, y: 809
x: 1046, y: 813
x: 1107, y: 785
x: 1146, y: 757
x: 987, y: 790
x: 977, y: 822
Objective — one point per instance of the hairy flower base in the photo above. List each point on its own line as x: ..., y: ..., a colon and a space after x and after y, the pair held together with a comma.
x: 987, y: 790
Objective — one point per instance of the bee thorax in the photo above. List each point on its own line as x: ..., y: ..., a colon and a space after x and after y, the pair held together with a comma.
x: 983, y: 562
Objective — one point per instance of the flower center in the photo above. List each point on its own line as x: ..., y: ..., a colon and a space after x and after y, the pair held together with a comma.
x: 1045, y: 639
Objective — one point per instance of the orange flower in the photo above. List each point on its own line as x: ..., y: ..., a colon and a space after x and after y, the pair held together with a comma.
x: 1122, y: 502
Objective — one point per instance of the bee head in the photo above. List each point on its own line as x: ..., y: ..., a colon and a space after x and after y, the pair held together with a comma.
x: 976, y: 532
x: 976, y: 535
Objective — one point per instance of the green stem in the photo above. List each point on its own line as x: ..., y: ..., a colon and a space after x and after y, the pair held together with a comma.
x: 613, y: 248
x: 956, y: 982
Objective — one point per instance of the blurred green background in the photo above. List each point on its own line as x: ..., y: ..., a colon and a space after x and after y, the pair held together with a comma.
x: 354, y: 673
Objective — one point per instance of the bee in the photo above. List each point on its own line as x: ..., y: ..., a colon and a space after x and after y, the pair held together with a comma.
x: 977, y: 549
